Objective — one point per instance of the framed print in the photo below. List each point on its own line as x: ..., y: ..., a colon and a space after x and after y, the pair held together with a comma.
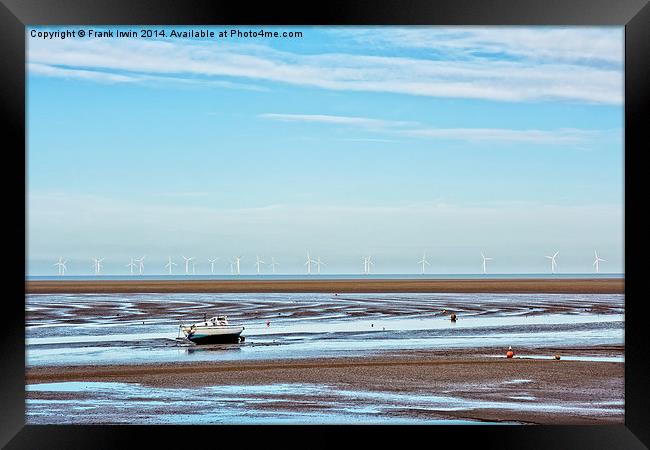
x: 360, y: 219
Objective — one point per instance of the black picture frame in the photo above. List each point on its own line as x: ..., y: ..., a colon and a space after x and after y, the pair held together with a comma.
x: 15, y: 15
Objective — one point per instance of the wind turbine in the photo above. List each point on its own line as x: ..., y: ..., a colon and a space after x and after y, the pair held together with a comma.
x: 61, y: 265
x: 273, y: 264
x: 169, y: 265
x: 258, y: 263
x: 319, y: 263
x: 309, y: 263
x: 597, y: 261
x: 237, y: 265
x: 232, y: 266
x: 98, y: 265
x: 140, y: 264
x: 187, y: 264
x: 367, y: 263
x: 424, y: 261
x: 553, y: 262
x: 212, y: 261
x: 131, y: 265
x: 484, y: 262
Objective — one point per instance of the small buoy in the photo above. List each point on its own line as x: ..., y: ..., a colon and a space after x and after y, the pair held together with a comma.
x: 510, y: 353
x: 453, y: 317
x: 557, y: 357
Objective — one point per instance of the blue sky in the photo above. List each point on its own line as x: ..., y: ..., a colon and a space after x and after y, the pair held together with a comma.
x: 347, y: 141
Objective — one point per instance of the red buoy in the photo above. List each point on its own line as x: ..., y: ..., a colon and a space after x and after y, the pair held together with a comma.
x: 510, y: 353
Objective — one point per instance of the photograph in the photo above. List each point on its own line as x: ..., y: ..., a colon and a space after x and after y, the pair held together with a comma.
x: 325, y: 225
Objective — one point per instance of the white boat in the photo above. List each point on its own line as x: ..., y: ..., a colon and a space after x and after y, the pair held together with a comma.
x: 215, y: 330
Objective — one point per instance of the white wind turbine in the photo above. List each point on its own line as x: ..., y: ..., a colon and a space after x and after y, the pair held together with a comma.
x: 367, y: 263
x: 553, y: 261
x: 212, y: 261
x: 61, y: 265
x: 187, y: 264
x: 309, y: 263
x: 98, y: 265
x: 424, y: 261
x: 232, y: 266
x: 237, y: 265
x: 485, y: 262
x: 169, y: 265
x: 318, y: 263
x: 131, y: 265
x: 273, y: 264
x: 258, y: 263
x: 140, y: 264
x: 597, y: 261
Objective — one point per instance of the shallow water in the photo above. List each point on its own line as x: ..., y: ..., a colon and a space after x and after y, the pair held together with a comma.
x: 102, y: 329
x: 297, y: 403
x: 293, y: 403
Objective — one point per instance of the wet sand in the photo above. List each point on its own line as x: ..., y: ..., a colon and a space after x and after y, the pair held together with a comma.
x: 262, y: 379
x: 473, y: 375
x: 548, y: 285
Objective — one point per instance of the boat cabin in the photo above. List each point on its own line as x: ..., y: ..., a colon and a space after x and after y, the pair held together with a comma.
x: 219, y: 320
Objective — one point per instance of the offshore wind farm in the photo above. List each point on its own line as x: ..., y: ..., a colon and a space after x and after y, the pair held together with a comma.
x: 312, y: 268
x: 350, y: 225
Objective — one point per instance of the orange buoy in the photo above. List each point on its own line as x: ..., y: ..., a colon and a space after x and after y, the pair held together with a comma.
x: 510, y: 353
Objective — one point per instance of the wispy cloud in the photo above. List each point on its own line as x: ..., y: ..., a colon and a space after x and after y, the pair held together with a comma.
x: 365, y: 122
x: 576, y: 45
x: 560, y: 75
x: 418, y: 130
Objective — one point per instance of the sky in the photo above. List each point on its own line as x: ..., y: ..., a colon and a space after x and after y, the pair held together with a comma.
x: 344, y: 142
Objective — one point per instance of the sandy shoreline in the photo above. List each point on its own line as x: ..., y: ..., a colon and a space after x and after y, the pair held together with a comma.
x: 456, y: 373
x: 559, y: 286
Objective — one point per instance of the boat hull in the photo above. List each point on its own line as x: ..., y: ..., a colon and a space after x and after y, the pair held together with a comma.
x: 213, y: 335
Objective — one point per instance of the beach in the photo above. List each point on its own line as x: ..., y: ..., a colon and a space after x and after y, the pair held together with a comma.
x: 328, y: 358
x: 514, y: 285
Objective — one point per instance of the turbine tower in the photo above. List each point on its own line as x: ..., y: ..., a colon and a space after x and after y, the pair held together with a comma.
x: 169, y: 265
x: 140, y: 265
x: 424, y: 261
x: 212, y: 261
x: 597, y: 261
x: 237, y: 266
x: 273, y: 264
x: 367, y: 263
x: 187, y: 264
x: 485, y: 262
x: 258, y: 263
x: 309, y: 263
x: 232, y: 266
x: 318, y: 264
x: 61, y: 265
x: 131, y: 265
x: 553, y: 261
x: 98, y: 265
